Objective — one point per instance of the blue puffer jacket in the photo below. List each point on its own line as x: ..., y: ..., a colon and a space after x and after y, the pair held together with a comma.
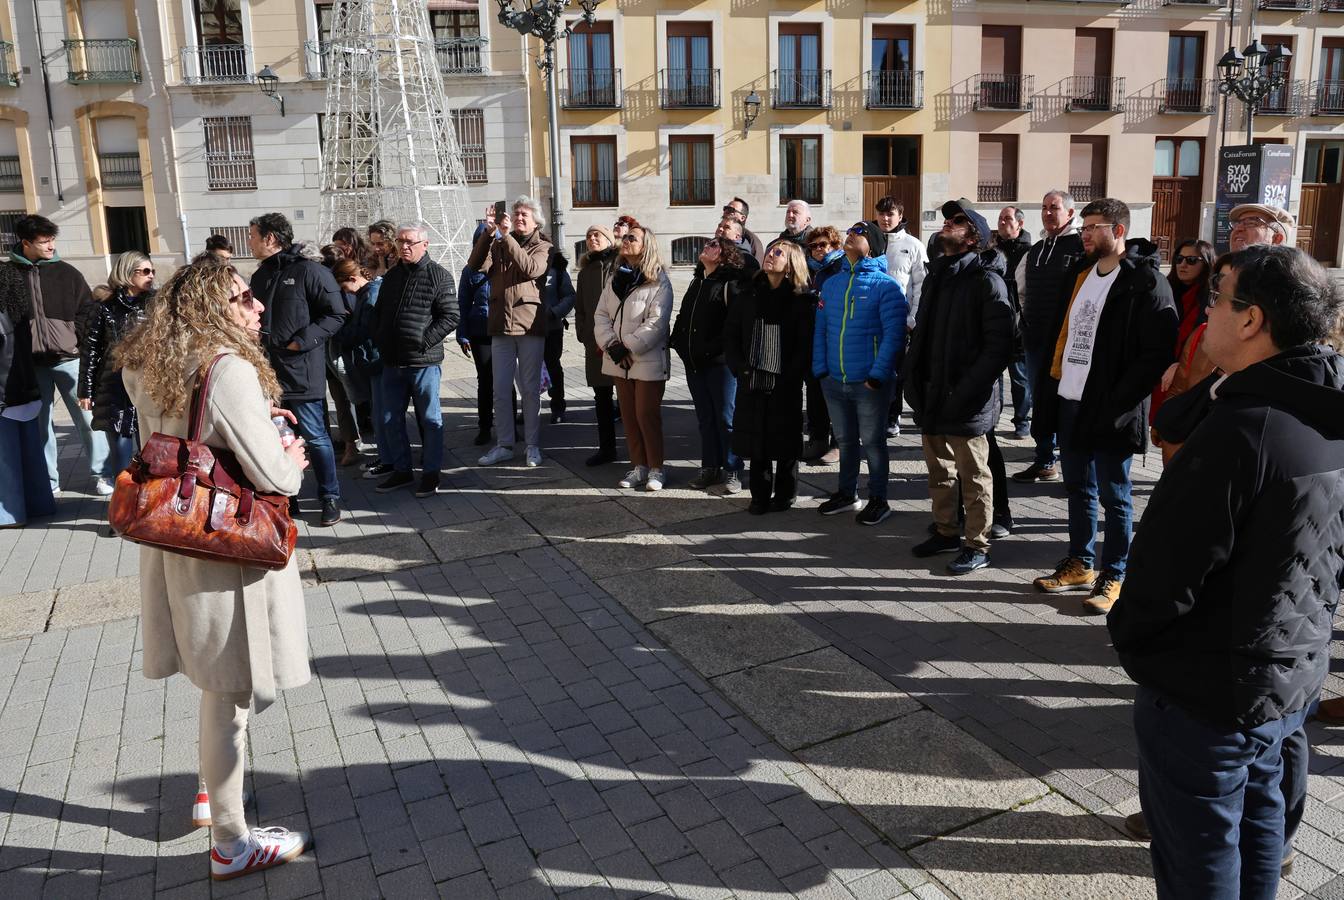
x: 473, y: 301
x: 860, y: 331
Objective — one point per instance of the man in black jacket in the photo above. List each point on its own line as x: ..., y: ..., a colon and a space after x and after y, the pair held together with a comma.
x: 962, y: 339
x: 1116, y: 336
x: 416, y: 311
x: 303, y: 308
x: 1044, y: 279
x: 1012, y: 240
x: 1225, y: 619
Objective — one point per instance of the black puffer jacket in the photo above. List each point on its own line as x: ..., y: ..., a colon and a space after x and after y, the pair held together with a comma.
x: 769, y: 424
x: 1132, y: 348
x: 1236, y: 568
x: 1047, y: 279
x: 697, y: 332
x: 18, y: 373
x: 99, y: 380
x: 961, y: 344
x: 416, y: 310
x: 306, y: 308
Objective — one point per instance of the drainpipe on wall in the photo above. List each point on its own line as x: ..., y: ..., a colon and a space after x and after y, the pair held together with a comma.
x: 171, y: 130
x: 51, y: 116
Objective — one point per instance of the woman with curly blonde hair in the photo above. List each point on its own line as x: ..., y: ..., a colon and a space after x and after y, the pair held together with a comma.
x: 238, y: 633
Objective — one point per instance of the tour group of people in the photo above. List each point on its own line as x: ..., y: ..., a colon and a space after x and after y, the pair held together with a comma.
x: 805, y: 348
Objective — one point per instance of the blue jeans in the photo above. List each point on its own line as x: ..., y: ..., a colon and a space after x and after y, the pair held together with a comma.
x: 1020, y: 389
x: 714, y: 392
x: 859, y: 418
x: 119, y: 453
x: 312, y: 427
x: 1037, y: 352
x: 63, y: 378
x: 421, y: 384
x: 25, y: 490
x: 1087, y: 474
x: 379, y: 421
x: 1213, y: 801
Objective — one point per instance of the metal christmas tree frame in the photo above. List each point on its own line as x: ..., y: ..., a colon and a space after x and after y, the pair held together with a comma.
x: 389, y: 150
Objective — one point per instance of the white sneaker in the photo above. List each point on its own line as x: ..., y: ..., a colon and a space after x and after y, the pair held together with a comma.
x: 103, y: 487
x: 266, y: 847
x: 634, y: 478
x: 533, y: 457
x: 497, y: 455
x: 655, y: 481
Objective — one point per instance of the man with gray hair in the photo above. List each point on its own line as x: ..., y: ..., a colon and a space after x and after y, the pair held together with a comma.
x: 797, y: 223
x: 1044, y: 284
x: 515, y: 255
x: 416, y: 311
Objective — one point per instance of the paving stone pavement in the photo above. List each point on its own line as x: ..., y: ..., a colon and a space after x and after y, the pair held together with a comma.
x: 536, y: 684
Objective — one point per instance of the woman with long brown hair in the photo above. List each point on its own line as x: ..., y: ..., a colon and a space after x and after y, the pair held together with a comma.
x: 238, y: 633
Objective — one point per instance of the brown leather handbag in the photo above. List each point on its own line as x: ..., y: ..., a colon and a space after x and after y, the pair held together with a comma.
x: 184, y: 497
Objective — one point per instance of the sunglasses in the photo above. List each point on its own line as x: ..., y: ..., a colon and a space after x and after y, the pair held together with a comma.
x: 819, y: 245
x: 1188, y: 260
x: 245, y: 298
x: 148, y: 271
x: 629, y: 238
x: 776, y: 251
x: 860, y: 228
x: 958, y: 219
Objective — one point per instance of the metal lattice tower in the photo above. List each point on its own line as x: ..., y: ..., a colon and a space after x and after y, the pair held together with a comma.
x: 389, y: 150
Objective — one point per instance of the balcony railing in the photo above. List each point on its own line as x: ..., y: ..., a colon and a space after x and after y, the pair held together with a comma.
x: 225, y: 173
x: 460, y: 56
x: 1001, y: 90
x: 11, y: 174
x: 692, y: 191
x: 119, y: 170
x: 107, y: 61
x: 808, y: 189
x: 802, y: 88
x: 1332, y: 5
x: 216, y: 64
x: 894, y: 89
x: 1087, y: 191
x: 688, y: 88
x: 599, y: 192
x: 1189, y: 96
x: 316, y: 56
x: 995, y: 191
x: 590, y: 88
x: 1218, y: 3
x: 9, y: 73
x: 1285, y: 4
x: 1285, y: 101
x: 1095, y: 93
x: 1327, y: 98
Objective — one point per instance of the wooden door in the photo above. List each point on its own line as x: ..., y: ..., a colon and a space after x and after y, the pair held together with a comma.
x: 1178, y: 189
x: 904, y: 188
x: 1319, y: 210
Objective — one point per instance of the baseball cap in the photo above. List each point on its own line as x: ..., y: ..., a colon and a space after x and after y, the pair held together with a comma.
x: 963, y: 207
x: 1272, y: 214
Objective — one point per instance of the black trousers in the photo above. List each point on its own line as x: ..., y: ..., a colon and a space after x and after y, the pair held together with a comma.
x: 555, y: 345
x: 604, y: 403
x: 776, y: 478
x: 818, y: 416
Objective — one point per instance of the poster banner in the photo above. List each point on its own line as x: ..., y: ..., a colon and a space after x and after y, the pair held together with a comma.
x: 1238, y: 182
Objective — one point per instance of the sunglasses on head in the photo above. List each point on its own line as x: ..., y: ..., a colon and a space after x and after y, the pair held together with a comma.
x: 1188, y: 260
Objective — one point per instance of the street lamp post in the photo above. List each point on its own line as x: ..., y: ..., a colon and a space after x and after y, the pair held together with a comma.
x: 543, y: 19
x: 1253, y: 74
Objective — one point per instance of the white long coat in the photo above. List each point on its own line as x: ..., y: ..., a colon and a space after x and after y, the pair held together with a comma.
x: 233, y: 630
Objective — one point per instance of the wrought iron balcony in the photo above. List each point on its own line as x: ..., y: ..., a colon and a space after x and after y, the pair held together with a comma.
x: 316, y: 56
x: 1332, y: 6
x: 894, y: 89
x: 596, y: 192
x: 688, y: 88
x: 1001, y: 90
x: 590, y: 89
x: 802, y: 88
x: 1087, y: 191
x: 798, y: 188
x: 1095, y: 93
x: 1285, y: 4
x: 692, y: 191
x: 11, y: 174
x: 102, y: 61
x: 216, y: 64
x: 119, y: 170
x: 1288, y: 100
x: 9, y: 73
x: 1188, y: 96
x: 1214, y: 3
x: 1327, y: 98
x: 461, y: 56
x: 995, y: 191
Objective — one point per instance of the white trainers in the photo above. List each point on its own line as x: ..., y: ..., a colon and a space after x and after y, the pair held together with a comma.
x: 265, y: 848
x: 497, y: 455
x: 533, y: 457
x: 103, y: 487
x: 634, y: 478
x: 655, y: 480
